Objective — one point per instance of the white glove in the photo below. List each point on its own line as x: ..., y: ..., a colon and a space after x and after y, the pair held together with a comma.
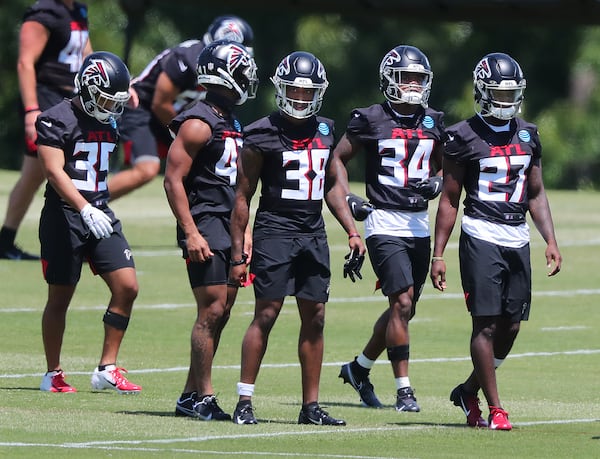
x: 97, y: 221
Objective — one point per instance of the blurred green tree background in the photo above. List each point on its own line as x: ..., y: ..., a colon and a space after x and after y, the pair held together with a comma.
x: 561, y: 67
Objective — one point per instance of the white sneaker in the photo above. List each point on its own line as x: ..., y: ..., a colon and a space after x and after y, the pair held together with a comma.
x: 111, y: 378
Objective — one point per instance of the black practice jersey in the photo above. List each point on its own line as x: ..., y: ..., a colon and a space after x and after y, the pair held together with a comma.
x: 179, y: 63
x: 497, y: 166
x: 87, y: 145
x: 68, y: 34
x: 295, y: 158
x: 210, y: 184
x: 398, y: 153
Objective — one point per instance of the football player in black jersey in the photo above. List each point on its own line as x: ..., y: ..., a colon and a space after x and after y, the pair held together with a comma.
x: 164, y: 88
x: 403, y: 140
x: 495, y: 156
x: 199, y: 182
x: 75, y: 139
x: 53, y: 41
x: 288, y: 151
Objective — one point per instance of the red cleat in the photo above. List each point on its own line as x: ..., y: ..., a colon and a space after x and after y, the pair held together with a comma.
x: 54, y: 381
x: 498, y: 419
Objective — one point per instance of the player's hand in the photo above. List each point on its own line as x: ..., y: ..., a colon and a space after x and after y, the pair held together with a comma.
x: 430, y: 187
x: 438, y: 275
x: 353, y: 264
x: 97, y: 221
x: 359, y: 207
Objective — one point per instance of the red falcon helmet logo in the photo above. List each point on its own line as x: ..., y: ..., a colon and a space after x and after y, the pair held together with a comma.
x: 482, y: 70
x: 95, y: 74
x: 229, y: 30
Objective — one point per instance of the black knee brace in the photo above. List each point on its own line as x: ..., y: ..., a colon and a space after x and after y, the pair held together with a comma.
x: 398, y: 352
x: 115, y: 320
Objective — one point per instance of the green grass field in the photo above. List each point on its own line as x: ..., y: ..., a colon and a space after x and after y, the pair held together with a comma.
x: 549, y: 385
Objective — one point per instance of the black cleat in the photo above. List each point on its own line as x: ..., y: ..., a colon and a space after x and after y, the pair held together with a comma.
x: 406, y: 401
x: 205, y: 409
x: 244, y: 413
x: 185, y: 406
x: 208, y: 410
x: 16, y: 253
x: 362, y: 385
x: 314, y: 414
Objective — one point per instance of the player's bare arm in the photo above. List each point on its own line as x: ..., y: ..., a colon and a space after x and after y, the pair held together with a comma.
x: 165, y: 93
x: 192, y: 136
x: 249, y: 168
x: 52, y: 161
x: 539, y: 209
x: 445, y: 220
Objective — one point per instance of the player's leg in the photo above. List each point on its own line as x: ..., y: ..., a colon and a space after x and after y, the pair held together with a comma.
x: 310, y: 347
x: 19, y: 201
x: 54, y: 322
x: 62, y: 262
x: 254, y: 344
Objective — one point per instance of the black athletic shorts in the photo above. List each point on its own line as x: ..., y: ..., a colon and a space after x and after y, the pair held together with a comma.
x: 400, y: 262
x: 297, y: 266
x: 214, y: 271
x: 66, y: 242
x: 139, y: 137
x: 496, y: 280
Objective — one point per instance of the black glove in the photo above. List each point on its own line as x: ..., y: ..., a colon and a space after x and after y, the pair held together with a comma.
x: 359, y: 207
x: 430, y: 187
x: 352, y: 265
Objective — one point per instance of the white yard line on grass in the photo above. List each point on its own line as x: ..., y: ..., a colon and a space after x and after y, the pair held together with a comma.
x: 328, y: 364
x: 110, y: 445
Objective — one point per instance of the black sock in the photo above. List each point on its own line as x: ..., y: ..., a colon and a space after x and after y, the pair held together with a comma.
x: 7, y: 237
x: 309, y: 406
x: 103, y: 367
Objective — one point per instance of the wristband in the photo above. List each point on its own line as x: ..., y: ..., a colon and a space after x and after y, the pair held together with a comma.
x: 351, y: 235
x: 32, y: 109
x: 239, y: 262
x: 437, y: 259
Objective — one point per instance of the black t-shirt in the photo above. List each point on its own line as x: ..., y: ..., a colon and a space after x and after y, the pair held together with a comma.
x: 497, y: 167
x: 87, y: 145
x: 295, y: 160
x: 68, y: 34
x: 179, y: 64
x: 398, y: 151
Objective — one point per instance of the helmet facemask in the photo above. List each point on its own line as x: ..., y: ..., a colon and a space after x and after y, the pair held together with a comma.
x: 501, y: 101
x: 102, y: 105
x: 294, y: 106
x: 403, y: 85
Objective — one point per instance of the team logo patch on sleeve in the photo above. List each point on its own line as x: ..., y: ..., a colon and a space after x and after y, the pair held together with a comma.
x: 524, y: 135
x: 428, y: 122
x: 323, y: 128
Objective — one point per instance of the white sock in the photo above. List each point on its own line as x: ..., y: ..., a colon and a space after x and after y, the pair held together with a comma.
x: 365, y: 362
x: 402, y: 381
x: 245, y: 389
